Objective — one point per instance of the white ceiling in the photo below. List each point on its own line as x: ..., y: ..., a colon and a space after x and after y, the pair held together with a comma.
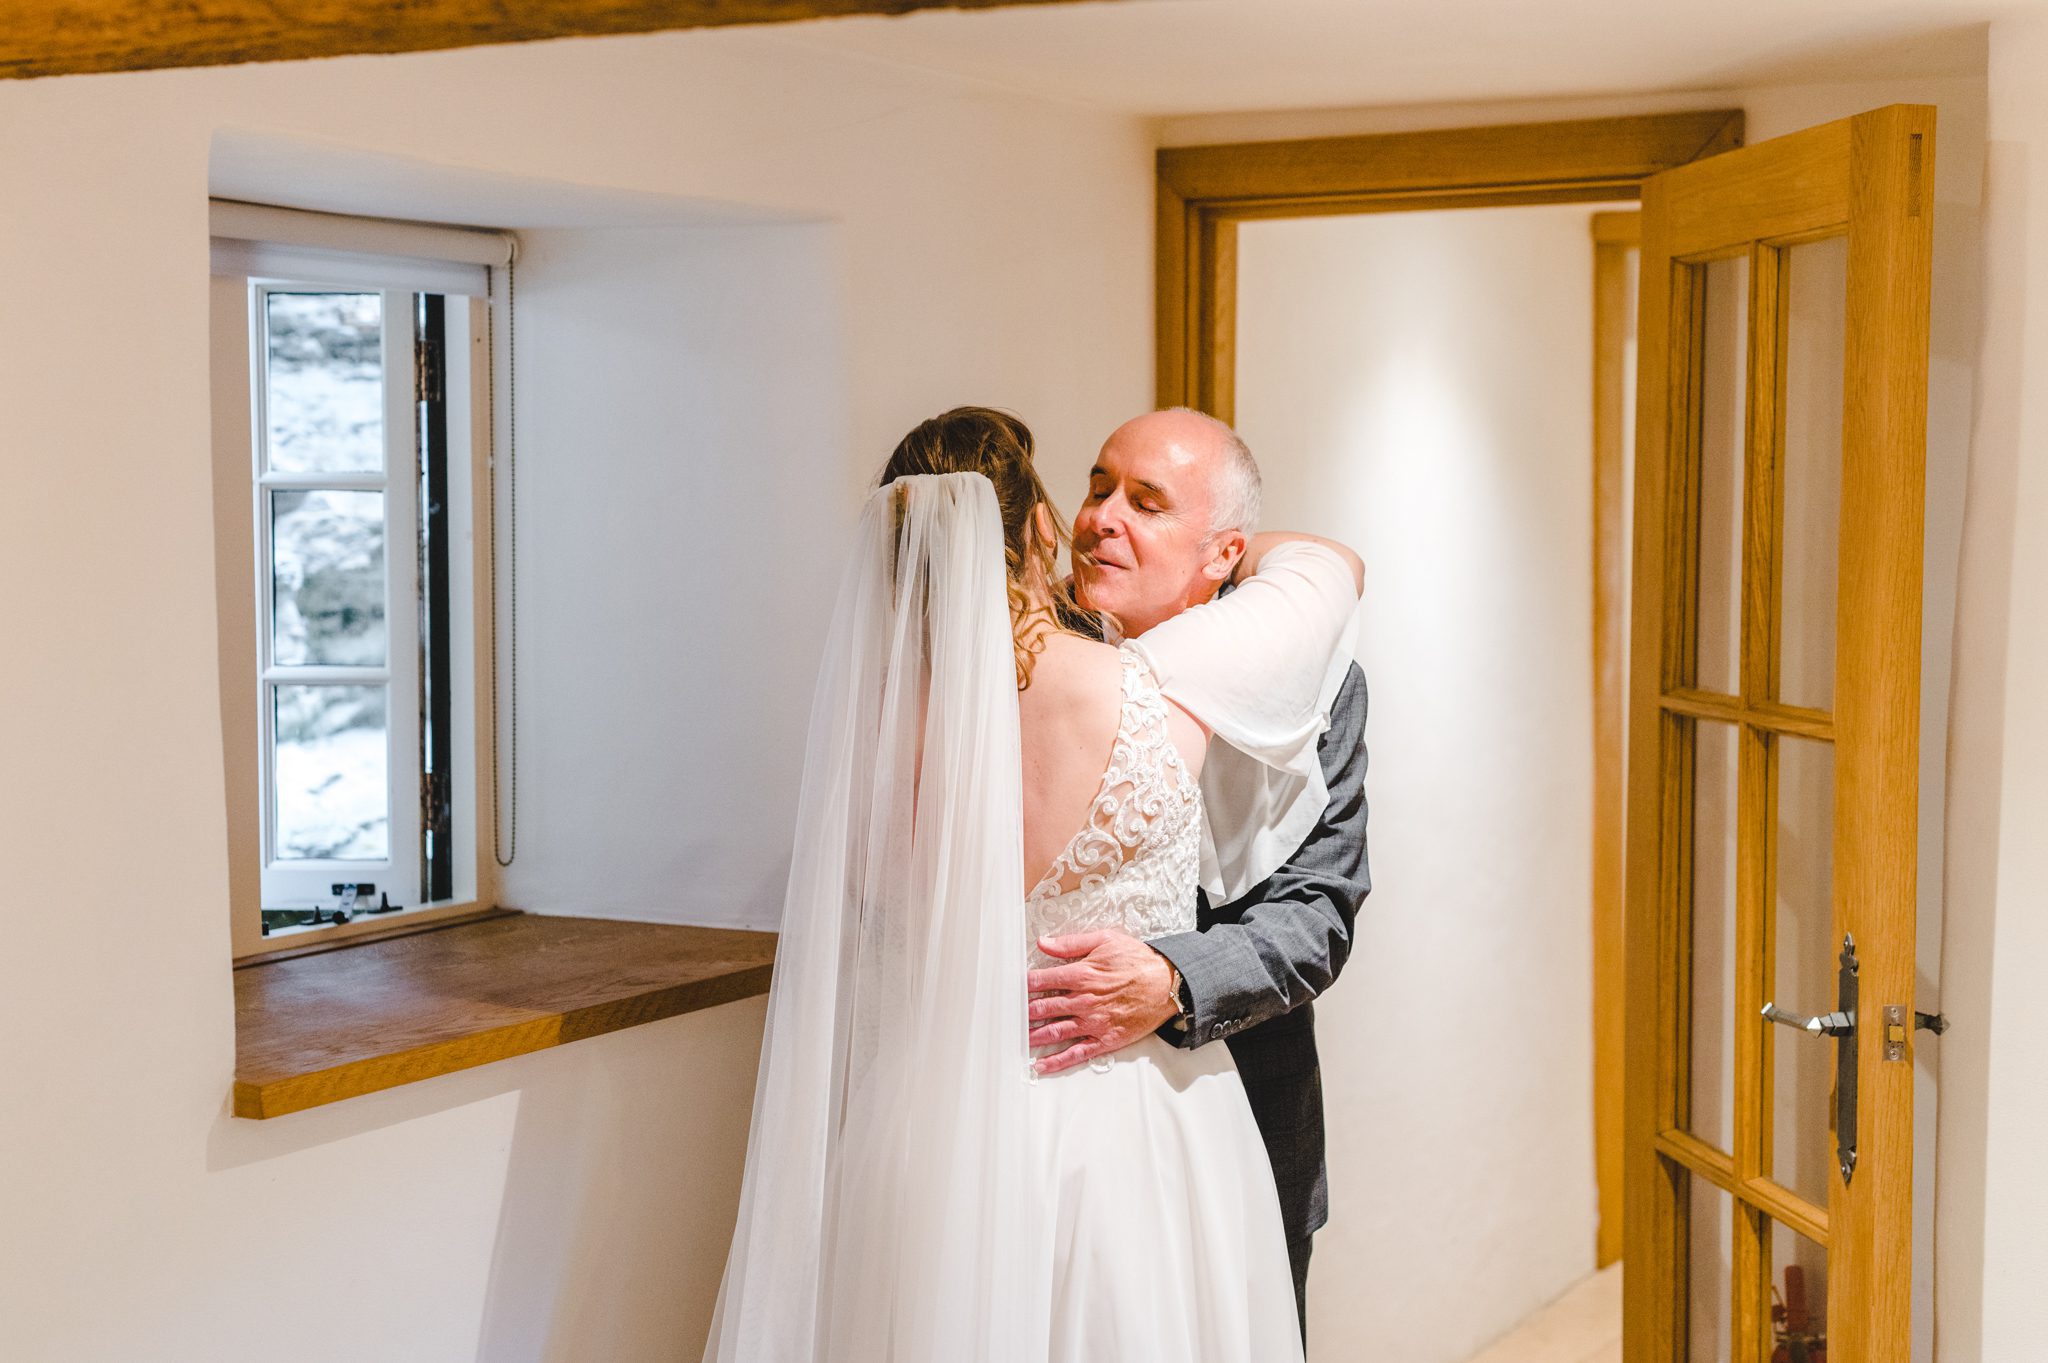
x: 1167, y: 57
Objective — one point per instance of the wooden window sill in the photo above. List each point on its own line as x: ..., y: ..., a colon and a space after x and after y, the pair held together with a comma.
x: 321, y: 1027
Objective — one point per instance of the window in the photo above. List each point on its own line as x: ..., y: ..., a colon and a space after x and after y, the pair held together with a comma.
x: 336, y: 429
x: 348, y: 390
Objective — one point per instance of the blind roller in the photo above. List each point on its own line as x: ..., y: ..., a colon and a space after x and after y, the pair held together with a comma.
x: 263, y: 241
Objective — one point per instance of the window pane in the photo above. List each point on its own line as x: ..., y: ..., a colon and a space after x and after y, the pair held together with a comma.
x: 1713, y: 934
x: 1816, y: 325
x: 333, y: 773
x: 324, y: 398
x: 1710, y: 1282
x: 1799, y: 1295
x: 327, y: 577
x: 1724, y: 384
x: 1806, y: 979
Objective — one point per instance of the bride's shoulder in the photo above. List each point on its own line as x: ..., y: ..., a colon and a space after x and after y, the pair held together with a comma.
x: 1075, y: 706
x: 1070, y: 666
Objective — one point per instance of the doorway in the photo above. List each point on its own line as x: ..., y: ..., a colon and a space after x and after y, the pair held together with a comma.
x: 1864, y: 181
x: 1418, y: 385
x: 1469, y: 347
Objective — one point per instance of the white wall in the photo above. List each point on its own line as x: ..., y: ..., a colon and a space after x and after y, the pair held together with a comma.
x: 676, y: 501
x: 1418, y: 385
x: 1993, y: 1195
x: 1975, y: 405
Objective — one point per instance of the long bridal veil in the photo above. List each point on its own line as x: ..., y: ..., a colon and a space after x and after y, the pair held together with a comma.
x: 890, y: 1211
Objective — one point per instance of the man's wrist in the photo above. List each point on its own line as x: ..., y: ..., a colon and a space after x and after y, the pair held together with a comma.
x: 1176, y: 995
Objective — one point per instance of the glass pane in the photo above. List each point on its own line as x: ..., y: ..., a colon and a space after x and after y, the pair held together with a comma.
x: 1815, y: 325
x: 327, y: 577
x: 1803, y: 1068
x: 1713, y: 934
x: 332, y: 768
x: 1722, y: 385
x: 1709, y: 1275
x: 324, y: 396
x: 1799, y: 1297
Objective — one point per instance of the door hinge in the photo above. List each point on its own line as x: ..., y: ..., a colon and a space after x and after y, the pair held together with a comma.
x: 427, y: 370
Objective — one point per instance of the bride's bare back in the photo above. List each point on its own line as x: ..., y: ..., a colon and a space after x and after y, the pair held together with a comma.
x: 1068, y: 716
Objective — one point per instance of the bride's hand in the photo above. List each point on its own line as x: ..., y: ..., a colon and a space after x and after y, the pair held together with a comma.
x: 1113, y: 990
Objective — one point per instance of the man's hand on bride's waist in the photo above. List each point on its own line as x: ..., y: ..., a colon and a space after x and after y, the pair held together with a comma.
x: 1112, y: 990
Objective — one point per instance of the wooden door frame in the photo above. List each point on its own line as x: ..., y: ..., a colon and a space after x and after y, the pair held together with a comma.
x: 1615, y: 235
x: 1204, y: 192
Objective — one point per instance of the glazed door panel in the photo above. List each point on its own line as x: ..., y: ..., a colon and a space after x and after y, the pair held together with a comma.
x: 1773, y: 746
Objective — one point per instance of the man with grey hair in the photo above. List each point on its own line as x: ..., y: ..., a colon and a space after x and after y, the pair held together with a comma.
x: 1172, y: 500
x: 1237, y: 485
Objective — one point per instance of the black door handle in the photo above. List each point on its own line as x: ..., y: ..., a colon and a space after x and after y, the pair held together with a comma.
x: 1841, y: 1025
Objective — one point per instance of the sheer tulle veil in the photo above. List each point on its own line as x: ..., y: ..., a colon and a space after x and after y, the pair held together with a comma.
x: 890, y: 1211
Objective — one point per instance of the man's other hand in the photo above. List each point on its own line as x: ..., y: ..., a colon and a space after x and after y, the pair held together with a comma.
x: 1112, y: 990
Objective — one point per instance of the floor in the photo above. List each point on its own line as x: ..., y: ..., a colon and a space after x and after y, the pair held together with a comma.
x: 1582, y: 1326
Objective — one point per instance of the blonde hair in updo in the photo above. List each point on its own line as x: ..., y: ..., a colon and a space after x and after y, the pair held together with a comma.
x: 998, y: 446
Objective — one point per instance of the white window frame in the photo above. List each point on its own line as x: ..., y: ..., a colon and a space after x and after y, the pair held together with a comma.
x: 307, y: 881
x: 321, y: 252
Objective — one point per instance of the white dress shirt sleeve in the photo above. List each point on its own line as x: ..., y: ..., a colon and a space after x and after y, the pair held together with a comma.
x: 1260, y: 667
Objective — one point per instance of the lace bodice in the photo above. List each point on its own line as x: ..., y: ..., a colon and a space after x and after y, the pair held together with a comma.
x: 1139, y: 855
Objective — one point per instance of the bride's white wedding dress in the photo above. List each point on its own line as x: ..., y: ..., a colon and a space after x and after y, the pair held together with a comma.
x: 1167, y: 1238
x: 913, y: 1191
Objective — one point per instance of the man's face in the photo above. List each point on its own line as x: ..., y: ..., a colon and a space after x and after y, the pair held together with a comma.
x: 1139, y: 537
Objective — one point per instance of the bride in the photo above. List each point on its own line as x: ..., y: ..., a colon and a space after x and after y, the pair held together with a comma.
x: 915, y: 1190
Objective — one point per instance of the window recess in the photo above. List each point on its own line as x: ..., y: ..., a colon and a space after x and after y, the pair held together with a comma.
x: 363, y: 454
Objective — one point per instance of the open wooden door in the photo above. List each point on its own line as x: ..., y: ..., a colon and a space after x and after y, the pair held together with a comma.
x: 1773, y: 744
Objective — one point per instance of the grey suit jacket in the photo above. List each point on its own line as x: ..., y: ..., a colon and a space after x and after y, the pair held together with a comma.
x: 1252, y: 966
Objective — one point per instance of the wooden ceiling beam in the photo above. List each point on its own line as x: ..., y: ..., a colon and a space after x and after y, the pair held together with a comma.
x: 71, y: 37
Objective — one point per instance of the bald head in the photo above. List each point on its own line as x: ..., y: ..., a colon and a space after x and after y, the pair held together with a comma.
x: 1169, y: 501
x: 1201, y: 441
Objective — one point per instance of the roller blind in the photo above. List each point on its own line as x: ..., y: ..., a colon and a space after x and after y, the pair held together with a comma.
x: 262, y: 241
